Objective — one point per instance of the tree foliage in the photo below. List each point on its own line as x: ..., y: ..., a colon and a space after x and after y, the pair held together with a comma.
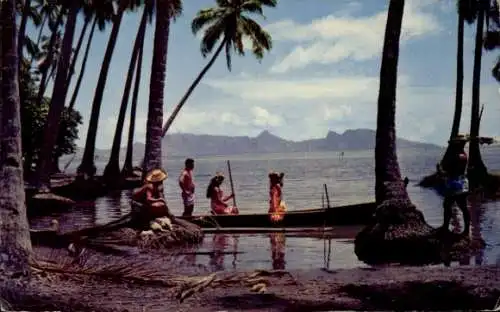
x: 33, y: 118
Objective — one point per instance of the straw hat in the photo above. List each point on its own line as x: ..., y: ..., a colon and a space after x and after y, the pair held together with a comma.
x: 156, y: 175
x: 460, y: 138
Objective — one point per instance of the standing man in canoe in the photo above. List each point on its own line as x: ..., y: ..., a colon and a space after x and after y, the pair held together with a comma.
x: 186, y: 183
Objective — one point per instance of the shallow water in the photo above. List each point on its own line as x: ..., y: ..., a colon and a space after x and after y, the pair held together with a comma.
x: 350, y: 180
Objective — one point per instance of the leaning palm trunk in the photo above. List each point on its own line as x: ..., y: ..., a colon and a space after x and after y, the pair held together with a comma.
x: 83, y: 66
x: 51, y: 129
x: 15, y: 244
x: 87, y: 166
x: 48, y: 62
x: 77, y: 50
x: 112, y: 170
x: 22, y: 29
x: 476, y: 169
x: 455, y: 128
x: 398, y: 231
x: 127, y: 166
x: 192, y: 87
x: 152, y: 157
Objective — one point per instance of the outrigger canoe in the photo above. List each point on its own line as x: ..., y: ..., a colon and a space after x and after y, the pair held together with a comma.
x: 356, y: 214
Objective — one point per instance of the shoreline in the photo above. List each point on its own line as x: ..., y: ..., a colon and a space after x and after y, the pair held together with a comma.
x: 388, y: 288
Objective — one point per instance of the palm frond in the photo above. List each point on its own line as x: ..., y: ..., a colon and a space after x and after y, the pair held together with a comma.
x: 212, y: 35
x: 229, y: 44
x: 205, y: 17
x: 261, y: 39
x: 175, y: 9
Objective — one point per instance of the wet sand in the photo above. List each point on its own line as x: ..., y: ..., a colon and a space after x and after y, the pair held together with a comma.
x: 388, y: 288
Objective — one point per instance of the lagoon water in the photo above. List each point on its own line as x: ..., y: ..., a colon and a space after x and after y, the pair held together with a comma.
x: 350, y: 179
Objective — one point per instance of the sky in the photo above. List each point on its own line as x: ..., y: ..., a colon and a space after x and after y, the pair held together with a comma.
x: 322, y: 74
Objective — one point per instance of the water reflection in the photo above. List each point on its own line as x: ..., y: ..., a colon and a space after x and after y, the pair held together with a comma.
x: 221, y: 242
x: 278, y: 246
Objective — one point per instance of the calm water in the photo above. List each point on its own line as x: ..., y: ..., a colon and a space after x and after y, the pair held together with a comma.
x: 350, y: 180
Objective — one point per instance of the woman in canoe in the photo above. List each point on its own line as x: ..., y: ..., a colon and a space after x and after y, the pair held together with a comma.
x: 151, y: 197
x: 217, y: 199
x: 277, y: 206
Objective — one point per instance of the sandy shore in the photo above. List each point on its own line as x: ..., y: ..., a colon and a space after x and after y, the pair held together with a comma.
x: 390, y: 288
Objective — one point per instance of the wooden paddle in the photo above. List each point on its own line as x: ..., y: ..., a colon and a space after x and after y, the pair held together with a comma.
x: 231, y: 182
x: 235, y: 238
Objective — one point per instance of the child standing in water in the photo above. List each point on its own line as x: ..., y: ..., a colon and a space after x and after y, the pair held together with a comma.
x: 277, y: 206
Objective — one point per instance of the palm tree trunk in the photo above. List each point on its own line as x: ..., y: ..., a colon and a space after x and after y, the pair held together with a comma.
x: 51, y: 129
x: 476, y: 168
x: 40, y: 33
x: 15, y: 244
x: 87, y: 166
x: 77, y: 50
x: 84, y: 64
x: 22, y: 29
x: 42, y: 26
x: 112, y: 170
x: 152, y: 157
x: 127, y: 166
x: 386, y: 161
x: 398, y: 232
x: 192, y: 87
x: 50, y: 55
x: 455, y: 128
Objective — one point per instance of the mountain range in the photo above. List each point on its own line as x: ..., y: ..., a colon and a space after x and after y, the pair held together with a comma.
x: 195, y: 145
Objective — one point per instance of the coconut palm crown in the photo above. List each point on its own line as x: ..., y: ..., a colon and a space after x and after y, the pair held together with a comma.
x: 230, y: 22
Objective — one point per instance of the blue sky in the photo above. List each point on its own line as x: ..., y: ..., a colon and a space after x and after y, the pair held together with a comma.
x: 321, y: 75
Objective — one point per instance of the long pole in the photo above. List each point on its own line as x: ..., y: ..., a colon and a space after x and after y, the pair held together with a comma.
x: 231, y: 182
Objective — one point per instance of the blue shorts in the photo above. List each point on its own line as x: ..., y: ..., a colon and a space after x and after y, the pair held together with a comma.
x: 457, y: 186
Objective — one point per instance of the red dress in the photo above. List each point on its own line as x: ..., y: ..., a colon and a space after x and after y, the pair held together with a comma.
x: 218, y: 203
x: 277, y: 207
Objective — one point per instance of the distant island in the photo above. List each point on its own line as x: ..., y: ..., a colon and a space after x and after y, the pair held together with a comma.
x: 196, y: 145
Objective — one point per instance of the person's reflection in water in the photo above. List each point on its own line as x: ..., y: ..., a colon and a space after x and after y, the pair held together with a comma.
x: 455, y: 222
x: 219, y: 244
x: 477, y: 210
x: 278, y: 244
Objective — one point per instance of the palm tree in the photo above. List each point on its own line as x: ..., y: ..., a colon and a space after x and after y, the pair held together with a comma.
x: 102, y: 12
x: 83, y: 31
x: 466, y: 13
x: 397, y: 225
x: 127, y: 166
x: 48, y: 61
x: 476, y: 169
x: 87, y: 165
x: 165, y: 10
x: 112, y: 169
x: 229, y: 23
x: 15, y: 241
x: 82, y: 67
x: 57, y: 102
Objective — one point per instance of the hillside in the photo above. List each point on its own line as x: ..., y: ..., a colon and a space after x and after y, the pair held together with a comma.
x: 184, y: 144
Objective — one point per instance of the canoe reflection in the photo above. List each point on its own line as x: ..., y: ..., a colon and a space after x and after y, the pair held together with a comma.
x: 278, y: 244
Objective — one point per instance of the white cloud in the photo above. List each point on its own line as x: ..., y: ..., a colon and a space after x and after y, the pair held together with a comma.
x: 263, y: 118
x: 310, y: 107
x: 337, y: 37
x: 270, y: 89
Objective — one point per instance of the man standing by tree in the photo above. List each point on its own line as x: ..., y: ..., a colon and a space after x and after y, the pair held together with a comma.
x: 186, y: 184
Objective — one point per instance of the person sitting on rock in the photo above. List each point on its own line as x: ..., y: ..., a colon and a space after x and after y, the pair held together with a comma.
x: 457, y: 185
x: 217, y: 200
x: 151, y: 196
x: 277, y: 206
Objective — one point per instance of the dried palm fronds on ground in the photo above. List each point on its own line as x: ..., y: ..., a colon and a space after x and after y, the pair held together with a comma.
x: 256, y: 281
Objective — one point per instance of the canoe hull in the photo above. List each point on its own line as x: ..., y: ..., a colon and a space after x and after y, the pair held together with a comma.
x: 357, y: 214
